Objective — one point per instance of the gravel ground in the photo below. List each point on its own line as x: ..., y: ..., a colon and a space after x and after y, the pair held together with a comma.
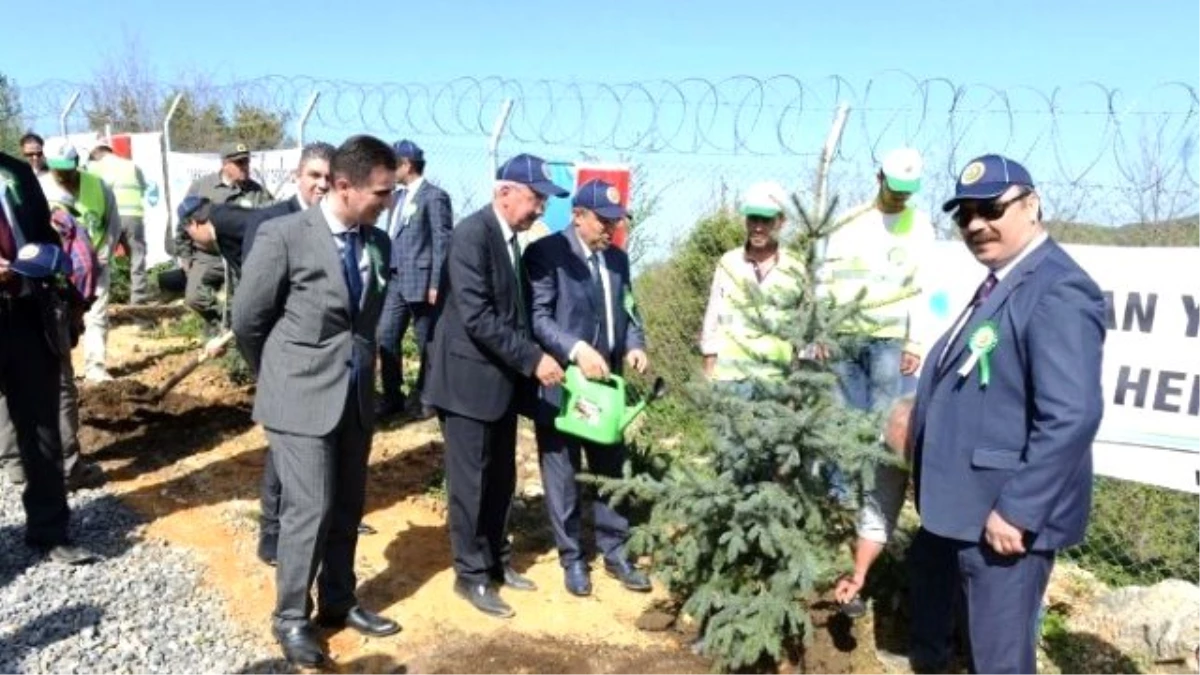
x: 142, y: 609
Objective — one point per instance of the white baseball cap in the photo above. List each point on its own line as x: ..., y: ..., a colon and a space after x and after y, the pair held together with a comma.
x: 902, y: 170
x: 767, y: 199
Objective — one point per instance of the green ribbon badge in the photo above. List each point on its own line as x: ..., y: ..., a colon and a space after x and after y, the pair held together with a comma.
x: 630, y: 306
x: 981, y: 343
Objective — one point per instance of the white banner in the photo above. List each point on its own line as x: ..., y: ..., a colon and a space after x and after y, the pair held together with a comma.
x: 146, y: 151
x: 1151, y: 427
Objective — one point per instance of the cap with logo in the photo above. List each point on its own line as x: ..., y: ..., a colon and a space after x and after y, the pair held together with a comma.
x: 601, y: 198
x: 195, y: 208
x: 38, y: 261
x: 767, y: 200
x: 406, y: 149
x: 235, y: 151
x: 532, y: 171
x: 63, y: 158
x: 987, y: 177
x: 902, y: 170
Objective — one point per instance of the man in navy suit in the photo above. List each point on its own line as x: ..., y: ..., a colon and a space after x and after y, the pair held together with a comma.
x: 419, y: 223
x: 579, y: 284
x: 1007, y: 407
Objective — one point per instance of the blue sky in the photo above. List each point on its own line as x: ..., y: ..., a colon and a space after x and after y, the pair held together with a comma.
x: 1024, y: 48
x: 1041, y: 44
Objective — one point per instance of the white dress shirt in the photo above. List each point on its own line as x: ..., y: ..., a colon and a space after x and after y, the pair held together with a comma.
x: 337, y: 227
x: 606, y: 283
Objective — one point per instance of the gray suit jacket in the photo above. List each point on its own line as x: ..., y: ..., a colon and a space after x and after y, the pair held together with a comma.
x: 419, y: 247
x: 293, y: 323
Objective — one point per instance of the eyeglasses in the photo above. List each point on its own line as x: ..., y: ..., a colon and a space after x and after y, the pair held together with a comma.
x: 31, y: 155
x: 990, y: 210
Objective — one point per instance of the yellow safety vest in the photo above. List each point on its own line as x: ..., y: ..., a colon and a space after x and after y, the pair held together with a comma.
x: 742, y: 351
x: 92, y: 208
x: 122, y: 177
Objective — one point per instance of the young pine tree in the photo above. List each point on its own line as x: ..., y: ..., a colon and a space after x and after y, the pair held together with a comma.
x: 749, y: 536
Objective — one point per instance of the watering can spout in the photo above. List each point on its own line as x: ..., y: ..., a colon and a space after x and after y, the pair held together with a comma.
x: 660, y: 388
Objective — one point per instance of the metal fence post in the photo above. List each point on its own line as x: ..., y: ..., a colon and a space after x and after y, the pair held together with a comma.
x: 831, y: 144
x: 493, y: 148
x: 62, y: 119
x: 303, y: 121
x: 166, y: 169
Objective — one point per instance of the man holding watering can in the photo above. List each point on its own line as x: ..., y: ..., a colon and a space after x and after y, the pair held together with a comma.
x: 583, y: 315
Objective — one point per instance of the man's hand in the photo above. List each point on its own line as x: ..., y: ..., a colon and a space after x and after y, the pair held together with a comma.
x: 910, y: 363
x: 204, y: 235
x: 548, y: 372
x: 847, y: 588
x: 431, y: 296
x: 5, y: 273
x: 821, y: 352
x: 710, y: 365
x: 1003, y: 537
x: 594, y: 366
x: 637, y: 360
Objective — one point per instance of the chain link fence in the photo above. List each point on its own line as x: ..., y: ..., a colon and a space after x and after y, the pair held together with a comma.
x: 1101, y: 156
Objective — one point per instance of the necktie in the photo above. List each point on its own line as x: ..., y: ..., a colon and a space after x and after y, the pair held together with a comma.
x: 601, y: 305
x: 519, y: 272
x: 984, y: 290
x: 350, y: 269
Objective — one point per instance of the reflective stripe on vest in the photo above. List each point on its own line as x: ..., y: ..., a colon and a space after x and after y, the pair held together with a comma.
x: 122, y: 177
x: 91, y: 207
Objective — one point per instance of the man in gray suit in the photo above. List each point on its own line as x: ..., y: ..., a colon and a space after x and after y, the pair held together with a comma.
x: 419, y: 222
x: 305, y: 319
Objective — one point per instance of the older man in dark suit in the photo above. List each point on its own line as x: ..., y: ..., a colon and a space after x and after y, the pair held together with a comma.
x: 305, y: 318
x: 580, y: 315
x: 482, y: 361
x: 1006, y: 411
x: 30, y: 361
x: 419, y: 223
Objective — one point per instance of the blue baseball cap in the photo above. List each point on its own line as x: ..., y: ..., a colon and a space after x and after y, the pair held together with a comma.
x: 38, y: 261
x: 987, y: 177
x: 532, y: 171
x: 193, y: 207
x: 600, y: 198
x: 406, y: 149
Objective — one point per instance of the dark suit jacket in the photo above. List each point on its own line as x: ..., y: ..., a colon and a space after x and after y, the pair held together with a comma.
x: 565, y: 310
x: 481, y: 357
x: 28, y: 201
x: 1021, y: 445
x: 236, y: 226
x: 294, y: 325
x: 419, y: 246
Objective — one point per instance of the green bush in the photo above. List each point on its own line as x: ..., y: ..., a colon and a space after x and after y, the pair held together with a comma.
x: 118, y: 285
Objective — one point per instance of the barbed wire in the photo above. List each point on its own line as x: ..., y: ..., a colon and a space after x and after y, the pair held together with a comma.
x: 1136, y: 151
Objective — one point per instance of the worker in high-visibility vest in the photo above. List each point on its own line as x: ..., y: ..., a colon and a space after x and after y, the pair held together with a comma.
x: 129, y: 187
x: 879, y: 248
x: 734, y: 350
x: 95, y: 209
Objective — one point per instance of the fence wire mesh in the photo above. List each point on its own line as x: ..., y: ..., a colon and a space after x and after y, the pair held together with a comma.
x: 1100, y: 155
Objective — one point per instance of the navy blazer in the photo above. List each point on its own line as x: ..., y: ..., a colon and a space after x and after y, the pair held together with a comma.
x: 1022, y: 444
x: 564, y: 306
x: 419, y: 246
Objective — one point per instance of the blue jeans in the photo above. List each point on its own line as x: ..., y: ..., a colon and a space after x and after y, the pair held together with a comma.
x: 869, y: 379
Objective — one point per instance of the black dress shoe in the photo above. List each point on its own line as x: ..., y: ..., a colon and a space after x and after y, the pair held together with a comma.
x: 84, y: 475
x: 385, y: 409
x: 517, y: 582
x: 577, y: 579
x: 628, y: 575
x: 484, y: 598
x: 300, y: 646
x: 268, y: 548
x: 367, y: 623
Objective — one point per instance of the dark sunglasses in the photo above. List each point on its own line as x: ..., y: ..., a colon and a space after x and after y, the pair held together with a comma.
x: 31, y: 155
x: 992, y: 209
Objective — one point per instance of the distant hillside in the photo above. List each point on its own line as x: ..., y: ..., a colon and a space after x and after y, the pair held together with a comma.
x: 1177, y: 232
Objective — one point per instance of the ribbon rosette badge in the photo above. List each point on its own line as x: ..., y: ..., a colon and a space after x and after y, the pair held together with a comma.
x: 981, y: 343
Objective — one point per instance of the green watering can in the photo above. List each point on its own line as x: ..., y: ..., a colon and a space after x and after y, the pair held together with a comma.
x: 596, y: 410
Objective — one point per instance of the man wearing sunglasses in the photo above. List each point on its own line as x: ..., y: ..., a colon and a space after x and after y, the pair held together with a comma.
x: 206, y: 269
x: 33, y: 150
x: 1006, y: 411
